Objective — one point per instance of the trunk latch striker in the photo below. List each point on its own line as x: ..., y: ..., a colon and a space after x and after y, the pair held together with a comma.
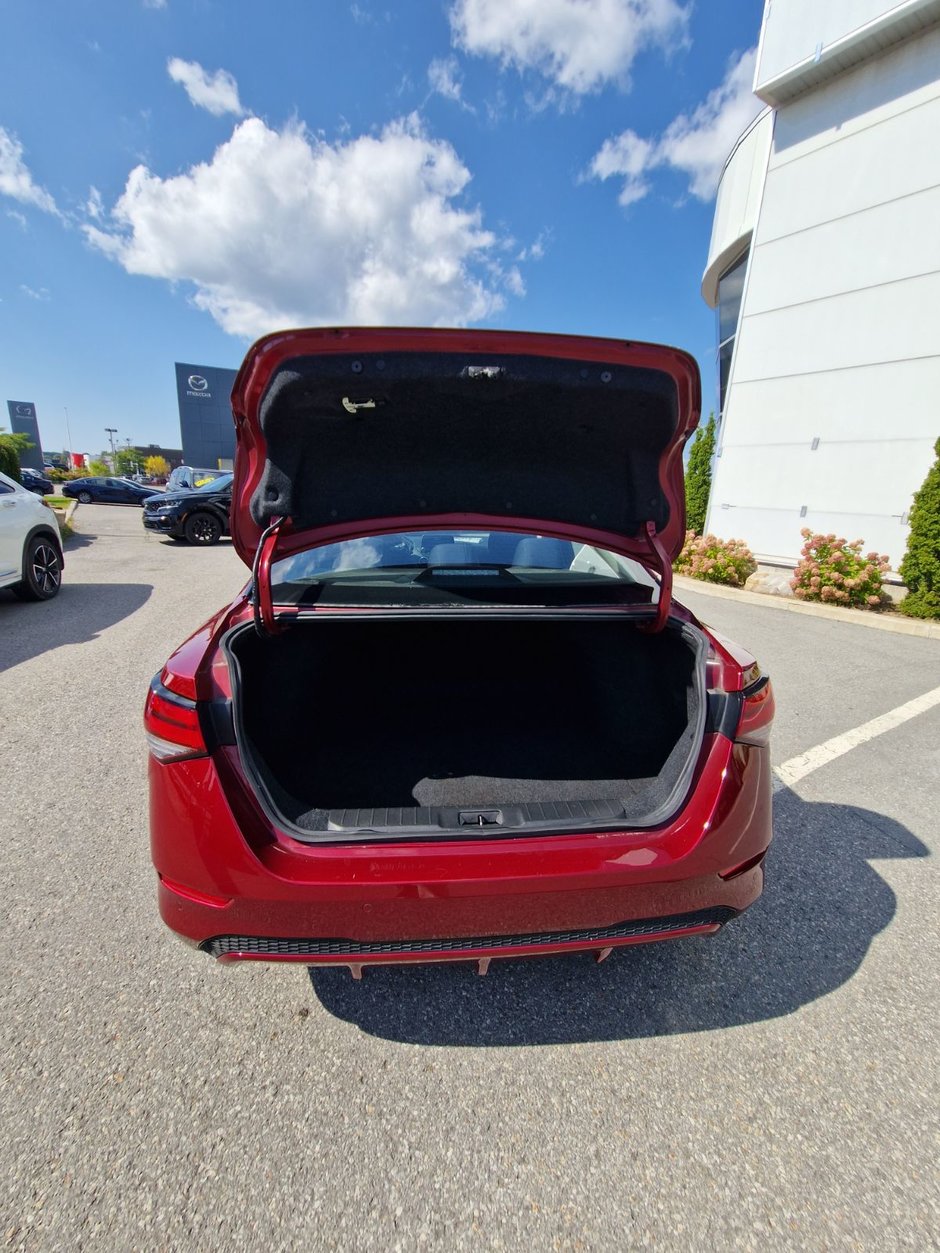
x: 480, y: 818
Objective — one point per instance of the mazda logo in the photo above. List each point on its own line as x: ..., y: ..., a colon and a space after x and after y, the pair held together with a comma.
x: 25, y: 411
x: 197, y: 382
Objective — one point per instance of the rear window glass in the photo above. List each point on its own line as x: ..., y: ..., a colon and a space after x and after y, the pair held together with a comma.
x: 437, y: 567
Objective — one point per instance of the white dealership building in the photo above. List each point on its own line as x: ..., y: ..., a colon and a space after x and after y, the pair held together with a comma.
x: 824, y: 266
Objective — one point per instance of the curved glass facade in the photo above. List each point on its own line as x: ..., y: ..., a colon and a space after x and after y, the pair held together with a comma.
x: 730, y: 291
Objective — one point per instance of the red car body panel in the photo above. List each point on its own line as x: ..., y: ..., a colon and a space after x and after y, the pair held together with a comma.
x: 279, y: 887
x: 226, y: 870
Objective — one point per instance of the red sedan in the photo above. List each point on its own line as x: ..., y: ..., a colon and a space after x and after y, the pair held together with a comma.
x: 457, y: 714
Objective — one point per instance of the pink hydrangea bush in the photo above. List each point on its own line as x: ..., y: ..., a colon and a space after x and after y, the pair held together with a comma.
x: 834, y: 571
x: 716, y: 560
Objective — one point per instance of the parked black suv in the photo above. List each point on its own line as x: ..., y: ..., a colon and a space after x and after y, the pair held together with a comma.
x: 197, y: 515
x: 33, y: 481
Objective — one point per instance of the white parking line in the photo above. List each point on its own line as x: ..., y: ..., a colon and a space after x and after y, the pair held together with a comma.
x: 799, y: 767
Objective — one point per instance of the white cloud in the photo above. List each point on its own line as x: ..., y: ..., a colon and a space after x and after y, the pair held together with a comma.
x: 697, y: 144
x: 580, y: 45
x: 17, y: 217
x: 444, y: 78
x: 536, y: 250
x: 94, y: 206
x: 368, y: 17
x: 216, y: 92
x: 514, y: 281
x: 41, y: 294
x: 154, y: 4
x: 16, y: 180
x: 630, y: 156
x: 281, y: 228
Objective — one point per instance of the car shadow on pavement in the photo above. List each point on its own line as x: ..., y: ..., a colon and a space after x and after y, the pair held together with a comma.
x: 823, y: 904
x: 75, y: 541
x: 80, y: 612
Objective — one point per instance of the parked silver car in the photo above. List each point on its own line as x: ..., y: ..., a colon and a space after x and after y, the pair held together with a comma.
x: 189, y: 477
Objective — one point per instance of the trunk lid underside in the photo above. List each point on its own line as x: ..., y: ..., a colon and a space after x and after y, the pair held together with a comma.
x: 339, y: 431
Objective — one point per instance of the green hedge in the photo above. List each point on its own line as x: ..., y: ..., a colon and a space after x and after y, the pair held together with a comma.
x: 698, y: 476
x: 920, y: 568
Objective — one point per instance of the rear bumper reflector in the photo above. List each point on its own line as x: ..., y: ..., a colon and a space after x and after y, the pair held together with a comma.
x: 743, y: 868
x: 190, y: 894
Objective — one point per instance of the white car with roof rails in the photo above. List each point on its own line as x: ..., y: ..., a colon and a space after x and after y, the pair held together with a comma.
x: 30, y: 545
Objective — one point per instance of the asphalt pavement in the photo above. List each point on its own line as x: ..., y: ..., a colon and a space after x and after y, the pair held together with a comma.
x: 773, y: 1087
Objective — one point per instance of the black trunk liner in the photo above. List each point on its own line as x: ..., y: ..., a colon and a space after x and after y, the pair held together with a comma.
x: 437, y: 741
x: 448, y: 714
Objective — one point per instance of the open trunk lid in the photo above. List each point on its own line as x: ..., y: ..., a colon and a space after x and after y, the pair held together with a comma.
x: 360, y: 431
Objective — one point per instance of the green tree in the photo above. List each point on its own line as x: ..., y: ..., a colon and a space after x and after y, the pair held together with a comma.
x: 157, y: 467
x: 920, y: 568
x: 126, y: 461
x: 99, y: 468
x: 698, y: 476
x: 11, y: 446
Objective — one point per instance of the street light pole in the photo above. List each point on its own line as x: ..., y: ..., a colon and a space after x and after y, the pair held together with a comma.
x: 68, y: 432
x: 111, y: 431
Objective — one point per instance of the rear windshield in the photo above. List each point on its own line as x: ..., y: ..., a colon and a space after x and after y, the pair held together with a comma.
x: 460, y: 567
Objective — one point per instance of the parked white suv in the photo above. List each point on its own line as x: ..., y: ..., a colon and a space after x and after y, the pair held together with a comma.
x: 190, y: 477
x: 30, y: 547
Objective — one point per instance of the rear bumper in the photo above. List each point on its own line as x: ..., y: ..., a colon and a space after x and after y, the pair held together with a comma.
x: 276, y: 900
x: 311, y: 952
x: 491, y: 922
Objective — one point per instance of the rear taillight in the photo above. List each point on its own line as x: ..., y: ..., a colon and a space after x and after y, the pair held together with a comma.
x: 172, y: 725
x: 757, y: 712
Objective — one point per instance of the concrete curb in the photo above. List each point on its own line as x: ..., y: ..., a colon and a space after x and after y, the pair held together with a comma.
x: 66, y: 518
x: 854, y: 617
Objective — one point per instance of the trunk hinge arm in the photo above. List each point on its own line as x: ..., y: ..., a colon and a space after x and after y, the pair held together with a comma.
x: 262, y: 602
x: 664, y: 569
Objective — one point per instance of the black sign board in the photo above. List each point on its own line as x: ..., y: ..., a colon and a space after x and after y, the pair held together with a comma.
x: 23, y: 421
x: 206, y: 428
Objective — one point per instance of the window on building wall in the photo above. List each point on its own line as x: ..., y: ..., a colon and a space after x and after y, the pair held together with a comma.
x: 730, y: 291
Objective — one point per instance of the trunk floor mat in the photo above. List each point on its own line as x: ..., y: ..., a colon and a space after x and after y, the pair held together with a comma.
x: 576, y: 800
x: 482, y: 790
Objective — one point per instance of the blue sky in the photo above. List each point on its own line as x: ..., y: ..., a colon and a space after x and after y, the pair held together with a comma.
x: 180, y: 176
